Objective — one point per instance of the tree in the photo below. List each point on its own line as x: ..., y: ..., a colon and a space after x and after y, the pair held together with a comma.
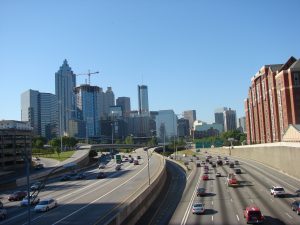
x: 129, y: 140
x: 39, y: 142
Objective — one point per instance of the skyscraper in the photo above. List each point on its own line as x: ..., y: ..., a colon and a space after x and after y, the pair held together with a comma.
x: 166, y: 124
x: 65, y: 82
x: 190, y: 115
x: 229, y: 120
x: 109, y: 100
x: 40, y: 110
x: 124, y: 102
x: 88, y: 108
x: 219, y: 116
x: 143, y: 100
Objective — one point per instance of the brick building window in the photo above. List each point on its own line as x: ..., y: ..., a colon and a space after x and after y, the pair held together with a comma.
x: 296, y: 79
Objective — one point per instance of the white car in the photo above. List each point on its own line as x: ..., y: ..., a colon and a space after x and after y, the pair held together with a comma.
x: 198, y: 208
x: 24, y: 202
x: 45, y: 205
x: 277, y: 191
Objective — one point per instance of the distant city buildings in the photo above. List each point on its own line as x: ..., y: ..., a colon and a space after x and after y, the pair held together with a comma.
x: 40, y: 110
x: 273, y: 102
x: 15, y: 144
x: 65, y: 83
x: 124, y: 102
x: 203, y: 129
x: 242, y: 124
x: 219, y: 116
x: 229, y: 120
x: 143, y: 100
x: 166, y: 124
x: 190, y: 115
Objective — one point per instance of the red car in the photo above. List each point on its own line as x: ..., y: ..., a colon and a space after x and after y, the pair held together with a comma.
x: 205, y: 177
x: 17, y: 196
x: 252, y: 214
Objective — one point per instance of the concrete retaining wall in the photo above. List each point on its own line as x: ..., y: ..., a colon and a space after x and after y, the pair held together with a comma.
x: 281, y: 156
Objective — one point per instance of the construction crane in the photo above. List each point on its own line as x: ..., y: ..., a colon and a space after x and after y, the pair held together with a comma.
x: 88, y: 74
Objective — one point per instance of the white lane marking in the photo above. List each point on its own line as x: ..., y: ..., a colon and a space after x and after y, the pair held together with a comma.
x: 187, y: 211
x: 212, y: 218
x: 276, y: 178
x: 99, y: 197
x: 86, y: 193
x: 231, y: 200
x: 237, y: 217
x: 212, y: 202
x: 289, y: 215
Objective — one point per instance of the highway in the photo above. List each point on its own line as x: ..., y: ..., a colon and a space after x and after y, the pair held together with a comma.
x: 88, y: 201
x: 224, y: 205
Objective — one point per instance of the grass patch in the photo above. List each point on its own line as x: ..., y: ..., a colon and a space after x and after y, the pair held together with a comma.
x: 62, y: 156
x: 187, y: 152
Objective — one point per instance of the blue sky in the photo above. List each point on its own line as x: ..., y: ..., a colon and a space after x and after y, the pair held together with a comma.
x: 192, y: 54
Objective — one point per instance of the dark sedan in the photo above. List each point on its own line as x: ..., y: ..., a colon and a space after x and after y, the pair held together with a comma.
x: 201, y: 192
x: 296, y: 207
x: 17, y: 196
x: 101, y: 175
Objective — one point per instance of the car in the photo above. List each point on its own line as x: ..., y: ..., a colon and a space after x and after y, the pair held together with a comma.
x: 102, y: 166
x: 138, y: 157
x: 236, y: 162
x: 33, y: 201
x: 130, y: 160
x: 277, y: 191
x: 37, y: 186
x: 218, y: 174
x: 201, y: 191
x: 297, y: 192
x: 252, y: 214
x: 206, y: 171
x: 3, y: 213
x: 237, y: 170
x: 17, y: 196
x: 39, y: 166
x: 135, y: 162
x: 226, y: 162
x: 118, y: 167
x: 296, y: 207
x: 101, y: 175
x: 214, y: 165
x: 231, y: 165
x: 198, y: 164
x: 1, y: 205
x: 65, y: 177
x: 219, y: 162
x: 45, y: 205
x: 198, y: 208
x: 205, y: 177
x: 80, y: 176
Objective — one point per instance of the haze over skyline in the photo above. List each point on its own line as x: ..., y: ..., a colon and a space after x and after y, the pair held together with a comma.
x: 191, y: 54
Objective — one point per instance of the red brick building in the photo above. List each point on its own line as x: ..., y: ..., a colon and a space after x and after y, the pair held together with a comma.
x: 273, y: 102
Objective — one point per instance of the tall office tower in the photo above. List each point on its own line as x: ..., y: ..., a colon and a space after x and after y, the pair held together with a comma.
x: 229, y: 120
x: 219, y: 116
x: 124, y: 102
x: 40, y: 110
x: 143, y: 100
x: 190, y: 115
x: 101, y: 103
x: 109, y: 100
x: 87, y: 98
x: 30, y: 109
x: 273, y: 102
x: 166, y: 124
x: 242, y: 124
x: 65, y: 83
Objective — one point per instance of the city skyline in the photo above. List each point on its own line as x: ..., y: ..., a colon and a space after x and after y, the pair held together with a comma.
x: 184, y: 52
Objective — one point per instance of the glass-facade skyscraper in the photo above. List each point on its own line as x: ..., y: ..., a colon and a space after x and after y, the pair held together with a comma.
x: 88, y: 108
x: 65, y: 82
x: 40, y: 110
x: 143, y: 100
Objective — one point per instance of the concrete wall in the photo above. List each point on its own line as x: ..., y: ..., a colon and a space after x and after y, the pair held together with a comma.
x: 284, y: 157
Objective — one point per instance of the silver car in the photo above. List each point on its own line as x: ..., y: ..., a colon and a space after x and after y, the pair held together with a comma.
x: 45, y: 205
x: 198, y: 208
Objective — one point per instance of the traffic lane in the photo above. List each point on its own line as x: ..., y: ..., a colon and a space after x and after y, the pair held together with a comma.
x: 183, y: 207
x: 277, y: 209
x: 255, y: 189
x: 61, y: 194
x: 100, y: 202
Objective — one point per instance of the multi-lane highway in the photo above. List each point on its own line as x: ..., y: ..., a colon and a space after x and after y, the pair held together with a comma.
x: 88, y: 201
x: 224, y: 205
